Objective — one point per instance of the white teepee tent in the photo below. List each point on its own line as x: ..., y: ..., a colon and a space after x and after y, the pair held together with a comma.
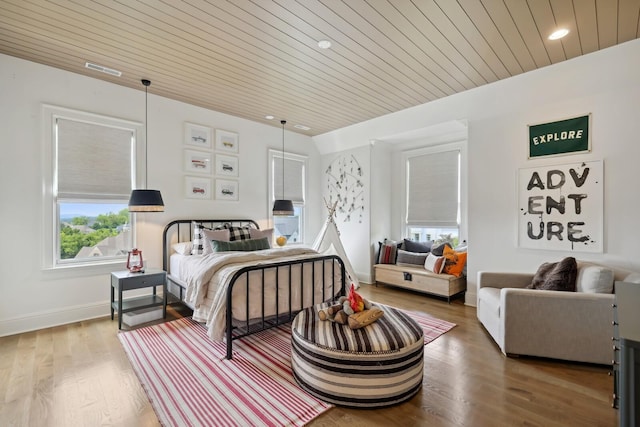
x: 328, y: 242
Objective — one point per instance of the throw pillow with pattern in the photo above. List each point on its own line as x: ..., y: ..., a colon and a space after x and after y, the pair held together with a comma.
x: 197, y: 242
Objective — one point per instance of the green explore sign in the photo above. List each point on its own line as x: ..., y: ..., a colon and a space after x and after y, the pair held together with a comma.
x: 564, y: 136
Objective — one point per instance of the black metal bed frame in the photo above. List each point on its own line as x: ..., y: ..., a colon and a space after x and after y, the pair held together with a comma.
x: 239, y: 329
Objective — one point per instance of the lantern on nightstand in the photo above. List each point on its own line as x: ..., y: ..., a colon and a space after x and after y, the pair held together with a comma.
x: 134, y: 261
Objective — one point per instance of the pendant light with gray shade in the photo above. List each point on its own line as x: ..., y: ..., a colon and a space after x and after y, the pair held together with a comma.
x: 283, y: 207
x: 144, y: 200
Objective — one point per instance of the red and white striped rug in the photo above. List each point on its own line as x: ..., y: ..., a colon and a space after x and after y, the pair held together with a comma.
x: 190, y: 383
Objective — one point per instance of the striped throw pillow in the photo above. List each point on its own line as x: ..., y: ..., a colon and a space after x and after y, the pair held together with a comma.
x: 388, y: 252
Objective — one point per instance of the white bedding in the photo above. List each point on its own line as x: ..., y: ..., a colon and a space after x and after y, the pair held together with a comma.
x: 207, y: 277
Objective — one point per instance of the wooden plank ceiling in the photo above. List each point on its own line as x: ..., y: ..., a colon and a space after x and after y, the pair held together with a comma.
x: 256, y: 58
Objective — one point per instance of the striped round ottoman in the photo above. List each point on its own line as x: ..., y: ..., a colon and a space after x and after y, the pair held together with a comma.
x: 378, y: 365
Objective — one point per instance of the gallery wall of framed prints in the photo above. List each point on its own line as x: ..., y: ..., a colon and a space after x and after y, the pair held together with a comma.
x: 211, y: 163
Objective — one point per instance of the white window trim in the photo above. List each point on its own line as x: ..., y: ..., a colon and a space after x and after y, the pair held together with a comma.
x: 462, y: 182
x: 274, y: 155
x: 49, y: 164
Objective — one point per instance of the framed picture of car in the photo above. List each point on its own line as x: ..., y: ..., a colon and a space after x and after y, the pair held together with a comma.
x: 226, y: 165
x: 226, y: 141
x: 197, y: 162
x: 197, y: 187
x: 226, y: 189
x: 197, y: 135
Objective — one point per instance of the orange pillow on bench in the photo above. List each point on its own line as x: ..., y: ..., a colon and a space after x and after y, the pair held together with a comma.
x: 455, y: 261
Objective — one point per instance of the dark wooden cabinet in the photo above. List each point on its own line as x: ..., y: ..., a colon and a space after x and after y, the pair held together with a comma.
x: 616, y: 357
x: 626, y: 362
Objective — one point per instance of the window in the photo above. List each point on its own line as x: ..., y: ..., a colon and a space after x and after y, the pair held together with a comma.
x: 88, y: 186
x: 433, y: 195
x: 295, y: 169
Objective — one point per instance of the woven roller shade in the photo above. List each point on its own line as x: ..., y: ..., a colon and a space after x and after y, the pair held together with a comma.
x: 88, y: 155
x: 433, y: 189
x: 293, y: 180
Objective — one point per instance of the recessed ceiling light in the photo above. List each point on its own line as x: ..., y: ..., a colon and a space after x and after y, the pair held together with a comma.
x: 269, y: 117
x: 302, y: 127
x: 558, y: 34
x: 324, y: 44
x: 102, y: 69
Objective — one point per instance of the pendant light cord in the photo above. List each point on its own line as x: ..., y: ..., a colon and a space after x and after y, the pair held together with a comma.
x: 146, y: 136
x: 283, y: 122
x: 146, y: 84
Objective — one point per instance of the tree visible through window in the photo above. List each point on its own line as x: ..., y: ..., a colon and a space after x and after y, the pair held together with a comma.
x: 90, y: 230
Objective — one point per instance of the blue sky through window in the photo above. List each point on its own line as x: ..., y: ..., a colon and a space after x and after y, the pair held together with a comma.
x: 70, y: 210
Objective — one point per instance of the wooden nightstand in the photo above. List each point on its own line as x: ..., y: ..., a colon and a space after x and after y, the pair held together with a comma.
x: 127, y: 281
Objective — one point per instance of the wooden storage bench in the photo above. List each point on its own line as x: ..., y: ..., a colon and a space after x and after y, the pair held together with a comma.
x: 414, y: 277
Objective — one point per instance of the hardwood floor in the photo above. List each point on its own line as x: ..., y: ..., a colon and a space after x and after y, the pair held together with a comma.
x: 79, y: 375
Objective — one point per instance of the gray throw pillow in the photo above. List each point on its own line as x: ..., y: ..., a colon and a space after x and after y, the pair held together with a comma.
x: 406, y: 257
x: 417, y: 247
x: 556, y: 276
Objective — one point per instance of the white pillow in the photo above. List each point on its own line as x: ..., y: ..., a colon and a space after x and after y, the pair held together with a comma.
x: 594, y: 279
x: 182, y: 248
x: 209, y: 235
x: 259, y: 234
x: 434, y: 264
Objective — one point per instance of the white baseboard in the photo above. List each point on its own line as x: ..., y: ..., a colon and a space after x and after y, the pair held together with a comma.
x: 364, y: 278
x: 470, y: 299
x: 50, y: 318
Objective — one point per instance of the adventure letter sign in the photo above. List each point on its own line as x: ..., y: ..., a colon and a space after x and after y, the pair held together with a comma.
x: 564, y: 136
x: 561, y: 207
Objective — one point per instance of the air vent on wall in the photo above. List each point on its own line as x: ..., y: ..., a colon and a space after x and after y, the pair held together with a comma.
x: 102, y: 69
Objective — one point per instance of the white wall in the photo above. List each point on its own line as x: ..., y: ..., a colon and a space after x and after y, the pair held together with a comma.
x: 356, y: 224
x: 603, y: 83
x: 381, y: 178
x: 32, y: 297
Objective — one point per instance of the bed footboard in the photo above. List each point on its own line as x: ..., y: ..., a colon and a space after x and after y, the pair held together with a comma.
x: 321, y: 287
x: 319, y: 279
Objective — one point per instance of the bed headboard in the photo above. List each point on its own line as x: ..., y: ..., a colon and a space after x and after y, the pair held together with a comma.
x: 181, y: 230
